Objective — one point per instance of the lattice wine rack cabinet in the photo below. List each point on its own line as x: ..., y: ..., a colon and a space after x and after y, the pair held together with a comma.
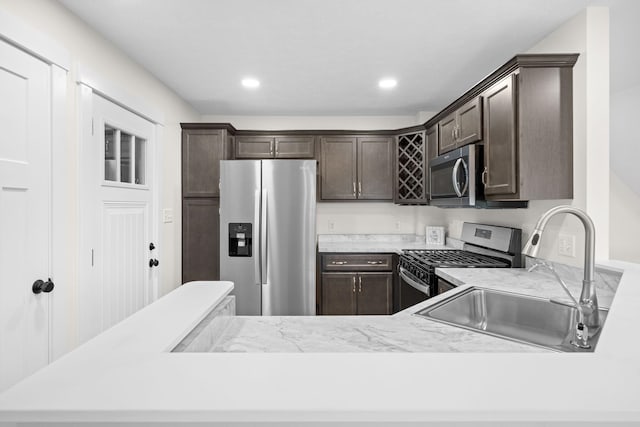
x: 411, y: 169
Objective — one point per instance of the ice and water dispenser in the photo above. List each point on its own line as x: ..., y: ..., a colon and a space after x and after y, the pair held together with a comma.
x: 240, y: 238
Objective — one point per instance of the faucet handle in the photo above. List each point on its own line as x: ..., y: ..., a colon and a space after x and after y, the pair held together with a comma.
x: 582, y: 336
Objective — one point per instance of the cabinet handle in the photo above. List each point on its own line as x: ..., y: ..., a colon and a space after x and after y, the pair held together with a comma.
x: 453, y: 133
x: 277, y: 149
x: 354, y: 283
x: 359, y: 284
x: 354, y: 189
x: 374, y: 262
x: 271, y: 148
x: 359, y: 188
x: 338, y: 262
x: 485, y: 172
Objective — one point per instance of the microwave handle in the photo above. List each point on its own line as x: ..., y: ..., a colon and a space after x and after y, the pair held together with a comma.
x: 454, y: 177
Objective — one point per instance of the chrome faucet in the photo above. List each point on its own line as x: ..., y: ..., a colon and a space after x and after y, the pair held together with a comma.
x: 588, y: 299
x: 581, y: 332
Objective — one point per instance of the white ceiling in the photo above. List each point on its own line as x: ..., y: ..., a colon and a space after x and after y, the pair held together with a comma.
x: 322, y: 57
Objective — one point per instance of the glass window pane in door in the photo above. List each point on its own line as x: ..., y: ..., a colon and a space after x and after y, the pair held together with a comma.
x: 110, y: 161
x: 125, y: 157
x: 141, y: 161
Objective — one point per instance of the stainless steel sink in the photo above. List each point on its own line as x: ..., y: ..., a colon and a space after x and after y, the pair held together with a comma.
x: 521, y: 318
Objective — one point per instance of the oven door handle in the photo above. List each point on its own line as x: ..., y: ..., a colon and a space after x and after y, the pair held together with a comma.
x: 408, y: 277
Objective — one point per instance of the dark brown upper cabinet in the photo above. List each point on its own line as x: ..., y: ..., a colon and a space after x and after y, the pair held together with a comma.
x: 275, y: 147
x: 528, y: 140
x: 412, y: 186
x: 202, y: 150
x: 375, y: 168
x: 255, y: 147
x: 356, y: 168
x: 500, y: 150
x: 461, y: 127
x: 527, y: 127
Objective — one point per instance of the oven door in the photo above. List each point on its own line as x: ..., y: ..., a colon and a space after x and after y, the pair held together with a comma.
x: 444, y: 286
x: 453, y: 177
x: 412, y: 290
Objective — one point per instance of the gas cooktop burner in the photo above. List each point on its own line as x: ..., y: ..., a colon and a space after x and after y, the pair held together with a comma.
x: 453, y: 258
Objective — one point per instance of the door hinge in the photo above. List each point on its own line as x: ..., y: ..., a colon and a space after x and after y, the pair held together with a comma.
x: 91, y: 257
x: 92, y: 127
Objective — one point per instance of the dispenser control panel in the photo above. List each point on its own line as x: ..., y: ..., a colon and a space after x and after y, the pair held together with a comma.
x: 240, y: 239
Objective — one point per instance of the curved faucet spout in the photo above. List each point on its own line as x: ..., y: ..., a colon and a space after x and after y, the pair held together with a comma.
x: 588, y: 297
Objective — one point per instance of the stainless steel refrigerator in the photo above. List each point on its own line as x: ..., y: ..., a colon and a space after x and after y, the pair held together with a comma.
x: 268, y: 235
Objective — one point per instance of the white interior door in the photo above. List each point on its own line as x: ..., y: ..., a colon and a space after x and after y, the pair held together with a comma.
x: 120, y: 202
x: 25, y: 213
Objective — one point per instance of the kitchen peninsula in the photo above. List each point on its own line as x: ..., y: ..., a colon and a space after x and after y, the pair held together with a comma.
x: 129, y: 374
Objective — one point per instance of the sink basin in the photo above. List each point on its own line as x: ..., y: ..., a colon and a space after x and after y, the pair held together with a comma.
x: 521, y: 318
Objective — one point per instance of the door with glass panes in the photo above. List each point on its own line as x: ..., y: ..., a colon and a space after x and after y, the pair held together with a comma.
x: 123, y: 255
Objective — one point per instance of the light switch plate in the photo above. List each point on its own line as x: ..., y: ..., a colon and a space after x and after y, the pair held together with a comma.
x: 167, y: 215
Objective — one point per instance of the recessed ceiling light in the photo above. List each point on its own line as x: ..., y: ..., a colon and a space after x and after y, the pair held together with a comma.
x: 250, y: 83
x: 387, y: 83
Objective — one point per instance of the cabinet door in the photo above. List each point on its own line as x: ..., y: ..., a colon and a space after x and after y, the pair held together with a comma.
x: 431, y: 144
x: 202, y: 151
x: 338, y: 168
x: 295, y: 147
x: 375, y: 168
x: 469, y: 122
x: 446, y: 130
x: 339, y: 293
x: 254, y: 147
x: 200, y: 239
x: 374, y: 293
x: 500, y: 138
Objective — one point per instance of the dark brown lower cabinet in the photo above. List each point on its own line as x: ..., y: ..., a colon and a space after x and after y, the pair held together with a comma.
x: 357, y: 293
x: 200, y: 240
x: 338, y: 296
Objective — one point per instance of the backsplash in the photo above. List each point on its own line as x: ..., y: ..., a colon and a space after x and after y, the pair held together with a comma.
x: 375, y: 218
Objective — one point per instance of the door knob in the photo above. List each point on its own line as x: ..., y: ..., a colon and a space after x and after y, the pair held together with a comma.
x: 151, y: 246
x: 153, y: 262
x: 42, y: 286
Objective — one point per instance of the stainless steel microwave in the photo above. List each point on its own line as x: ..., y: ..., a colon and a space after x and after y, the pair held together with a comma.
x: 455, y: 177
x: 456, y: 180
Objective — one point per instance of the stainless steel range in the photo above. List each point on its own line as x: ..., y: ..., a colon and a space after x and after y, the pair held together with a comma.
x: 485, y: 246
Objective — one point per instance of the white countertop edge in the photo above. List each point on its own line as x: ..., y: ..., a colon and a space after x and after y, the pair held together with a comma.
x: 340, y: 387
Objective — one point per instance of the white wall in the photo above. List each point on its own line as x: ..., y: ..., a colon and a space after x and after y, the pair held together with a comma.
x: 90, y: 50
x: 625, y: 175
x: 625, y: 140
x: 586, y: 34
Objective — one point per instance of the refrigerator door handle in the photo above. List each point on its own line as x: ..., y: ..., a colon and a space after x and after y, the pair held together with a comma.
x: 263, y: 239
x: 258, y: 227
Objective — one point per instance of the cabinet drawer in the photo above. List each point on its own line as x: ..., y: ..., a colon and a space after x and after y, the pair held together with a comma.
x: 357, y: 262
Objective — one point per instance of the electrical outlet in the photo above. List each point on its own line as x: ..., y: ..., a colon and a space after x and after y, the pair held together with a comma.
x: 167, y: 215
x: 567, y: 245
x: 332, y: 225
x: 398, y: 225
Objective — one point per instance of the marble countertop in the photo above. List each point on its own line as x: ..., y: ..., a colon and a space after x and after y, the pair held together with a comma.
x: 351, y: 334
x: 402, y: 332
x: 128, y: 374
x: 378, y: 243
